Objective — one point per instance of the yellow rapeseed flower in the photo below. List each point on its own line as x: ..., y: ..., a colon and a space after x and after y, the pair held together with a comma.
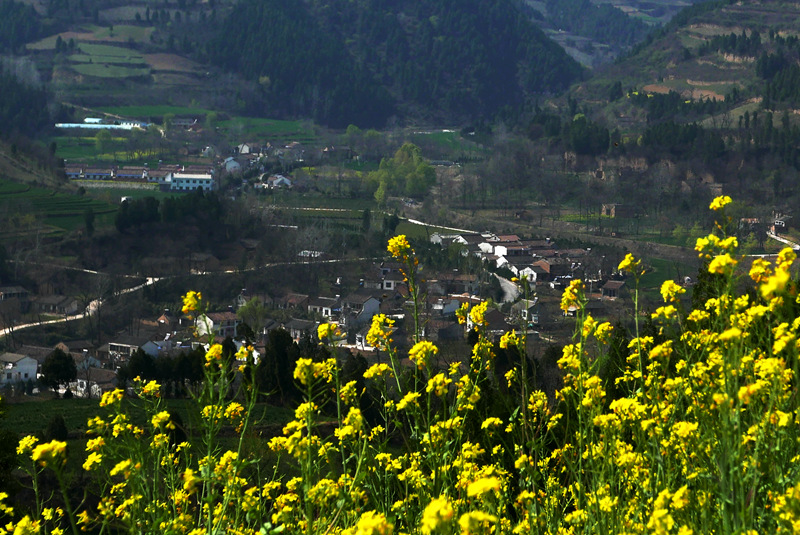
x: 409, y: 399
x: 326, y: 331
x: 399, y: 247
x: 670, y: 291
x: 439, y: 384
x: 421, y: 354
x: 720, y: 202
x: 376, y: 371
x: 478, y: 314
x: 476, y: 522
x: 26, y: 444
x: 92, y: 460
x: 629, y: 264
x: 722, y: 264
x: 437, y: 514
x: 380, y: 332
x: 373, y: 523
x: 191, y: 302
x: 214, y: 354
x: 603, y: 332
x: 111, y: 397
x: 573, y: 295
x: 509, y: 338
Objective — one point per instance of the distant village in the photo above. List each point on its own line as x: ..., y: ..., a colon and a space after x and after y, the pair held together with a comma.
x: 185, y: 178
x: 544, y: 267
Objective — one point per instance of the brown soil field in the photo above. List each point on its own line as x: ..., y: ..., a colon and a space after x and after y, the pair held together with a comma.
x: 172, y: 63
x: 655, y: 88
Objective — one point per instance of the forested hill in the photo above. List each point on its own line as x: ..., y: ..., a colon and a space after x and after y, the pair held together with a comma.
x: 19, y: 23
x: 366, y: 60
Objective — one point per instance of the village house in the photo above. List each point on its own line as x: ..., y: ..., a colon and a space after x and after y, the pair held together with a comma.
x: 11, y: 292
x: 443, y: 306
x: 132, y: 173
x: 293, y: 300
x: 179, y: 181
x: 251, y: 147
x: 299, y: 328
x: 98, y: 173
x: 359, y: 307
x: 121, y: 348
x: 55, y: 304
x: 74, y: 171
x: 527, y: 310
x: 17, y: 368
x: 222, y: 324
x: 327, y: 307
x: 612, y: 289
x: 277, y: 182
x: 92, y: 382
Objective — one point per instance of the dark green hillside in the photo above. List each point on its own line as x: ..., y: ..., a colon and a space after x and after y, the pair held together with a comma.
x: 302, y: 70
x: 360, y: 62
x: 23, y: 109
x: 603, y: 23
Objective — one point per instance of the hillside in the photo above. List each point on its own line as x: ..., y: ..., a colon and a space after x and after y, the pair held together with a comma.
x: 734, y: 53
x: 364, y: 61
x: 370, y: 62
x: 706, y: 105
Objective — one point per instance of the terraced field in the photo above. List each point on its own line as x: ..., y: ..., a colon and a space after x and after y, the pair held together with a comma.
x: 59, y: 212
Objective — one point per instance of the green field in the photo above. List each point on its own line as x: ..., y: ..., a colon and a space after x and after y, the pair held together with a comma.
x: 108, y: 52
x: 447, y: 142
x: 62, y: 210
x: 105, y: 70
x: 106, y: 61
x: 260, y: 127
x: 84, y: 149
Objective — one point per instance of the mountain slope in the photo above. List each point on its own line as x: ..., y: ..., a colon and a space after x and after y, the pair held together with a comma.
x: 363, y: 61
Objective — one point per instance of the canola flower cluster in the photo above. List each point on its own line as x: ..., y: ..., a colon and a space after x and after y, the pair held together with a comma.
x: 691, y: 428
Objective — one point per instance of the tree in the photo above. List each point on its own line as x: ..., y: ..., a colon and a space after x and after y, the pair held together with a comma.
x: 58, y: 369
x: 88, y: 218
x: 56, y: 429
x: 254, y: 314
x: 102, y: 141
x: 366, y: 220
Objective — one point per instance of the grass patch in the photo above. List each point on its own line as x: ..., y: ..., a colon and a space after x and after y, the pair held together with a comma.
x: 105, y: 70
x: 119, y: 53
x: 423, y: 232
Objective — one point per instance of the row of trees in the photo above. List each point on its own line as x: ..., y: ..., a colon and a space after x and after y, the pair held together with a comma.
x: 741, y: 45
x: 203, y: 207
